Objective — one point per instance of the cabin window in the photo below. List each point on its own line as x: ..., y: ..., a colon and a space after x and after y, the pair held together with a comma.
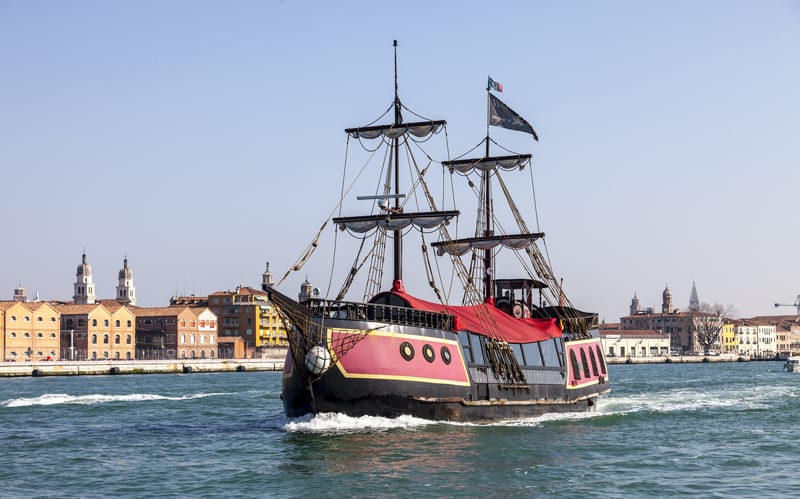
x: 517, y: 349
x: 576, y: 368
x: 533, y: 355
x: 463, y: 338
x: 551, y: 353
x: 477, y: 351
x: 585, y: 363
x: 559, y: 345
x: 601, y: 359
x: 594, y: 362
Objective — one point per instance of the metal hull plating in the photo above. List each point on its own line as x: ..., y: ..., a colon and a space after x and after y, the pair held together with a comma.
x: 406, y: 370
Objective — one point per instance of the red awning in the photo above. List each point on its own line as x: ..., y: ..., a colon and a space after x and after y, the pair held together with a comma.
x: 481, y: 319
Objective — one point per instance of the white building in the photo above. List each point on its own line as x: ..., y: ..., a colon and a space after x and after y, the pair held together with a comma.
x: 634, y: 343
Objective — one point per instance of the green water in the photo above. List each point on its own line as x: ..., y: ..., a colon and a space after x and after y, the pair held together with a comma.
x: 711, y: 430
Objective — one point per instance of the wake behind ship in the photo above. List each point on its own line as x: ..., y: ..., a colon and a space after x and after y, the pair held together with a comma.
x: 514, y: 347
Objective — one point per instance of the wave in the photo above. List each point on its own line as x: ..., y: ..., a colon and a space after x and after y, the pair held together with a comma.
x: 92, y: 399
x: 340, y: 423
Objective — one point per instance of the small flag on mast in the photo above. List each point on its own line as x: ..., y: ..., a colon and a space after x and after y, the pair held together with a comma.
x: 502, y: 116
x: 495, y: 85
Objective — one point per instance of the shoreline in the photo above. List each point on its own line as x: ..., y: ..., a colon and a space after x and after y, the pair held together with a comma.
x: 120, y: 367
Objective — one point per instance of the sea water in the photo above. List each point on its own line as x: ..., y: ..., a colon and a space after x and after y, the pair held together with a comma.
x: 711, y: 430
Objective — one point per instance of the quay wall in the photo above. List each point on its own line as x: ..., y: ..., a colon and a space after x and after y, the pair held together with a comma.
x: 680, y: 359
x: 113, y: 367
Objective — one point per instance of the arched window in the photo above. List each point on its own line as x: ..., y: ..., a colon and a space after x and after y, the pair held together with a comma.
x: 576, y: 368
x: 116, y: 339
x: 94, y: 339
x: 594, y: 362
x: 128, y: 339
x: 601, y: 359
x: 105, y: 339
x: 585, y: 363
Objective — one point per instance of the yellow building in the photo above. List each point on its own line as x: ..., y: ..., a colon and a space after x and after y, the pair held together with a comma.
x: 247, y: 313
x: 728, y: 338
x: 97, y: 331
x: 30, y: 331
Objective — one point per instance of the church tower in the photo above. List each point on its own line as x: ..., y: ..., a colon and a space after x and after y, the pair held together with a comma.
x: 267, y: 281
x: 666, y: 305
x: 84, y: 284
x: 635, y: 304
x: 694, y: 301
x: 126, y: 292
x: 20, y: 295
x: 306, y: 291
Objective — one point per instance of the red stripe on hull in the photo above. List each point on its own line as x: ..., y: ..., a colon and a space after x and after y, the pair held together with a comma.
x: 379, y: 356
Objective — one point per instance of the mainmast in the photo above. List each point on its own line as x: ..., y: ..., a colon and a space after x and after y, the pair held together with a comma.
x: 398, y: 234
x: 488, y: 265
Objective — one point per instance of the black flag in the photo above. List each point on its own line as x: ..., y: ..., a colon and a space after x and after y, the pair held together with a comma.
x: 503, y: 116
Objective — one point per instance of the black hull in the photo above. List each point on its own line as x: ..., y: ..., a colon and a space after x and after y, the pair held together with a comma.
x: 480, y: 398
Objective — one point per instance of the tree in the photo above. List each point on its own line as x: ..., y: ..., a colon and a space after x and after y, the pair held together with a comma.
x: 707, y: 324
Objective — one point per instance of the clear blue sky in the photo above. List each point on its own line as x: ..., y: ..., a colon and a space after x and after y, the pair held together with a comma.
x: 201, y: 138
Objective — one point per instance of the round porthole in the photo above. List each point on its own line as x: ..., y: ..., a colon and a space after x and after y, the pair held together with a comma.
x: 428, y: 353
x: 446, y: 357
x: 407, y: 350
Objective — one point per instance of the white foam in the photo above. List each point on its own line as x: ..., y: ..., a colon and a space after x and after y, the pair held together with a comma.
x: 62, y: 398
x: 340, y: 423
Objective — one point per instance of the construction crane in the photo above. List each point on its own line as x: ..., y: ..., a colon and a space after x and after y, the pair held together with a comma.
x: 795, y: 304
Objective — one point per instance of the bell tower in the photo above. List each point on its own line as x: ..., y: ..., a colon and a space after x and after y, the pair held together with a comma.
x: 666, y: 305
x: 84, y: 283
x: 126, y: 292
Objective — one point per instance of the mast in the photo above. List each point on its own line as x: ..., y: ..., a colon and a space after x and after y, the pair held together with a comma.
x: 488, y: 268
x: 398, y: 237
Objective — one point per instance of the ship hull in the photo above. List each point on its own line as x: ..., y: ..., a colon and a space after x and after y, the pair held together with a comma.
x: 396, y: 370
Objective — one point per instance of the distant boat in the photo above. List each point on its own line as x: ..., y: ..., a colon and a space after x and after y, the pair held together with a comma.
x: 792, y: 364
x: 513, y: 347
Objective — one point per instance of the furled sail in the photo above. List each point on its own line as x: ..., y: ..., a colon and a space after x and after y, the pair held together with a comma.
x: 460, y: 247
x: 517, y: 161
x: 420, y: 129
x: 395, y: 221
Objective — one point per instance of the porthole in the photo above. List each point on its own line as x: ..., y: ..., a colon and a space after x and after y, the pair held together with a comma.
x: 407, y: 350
x: 446, y: 357
x: 428, y: 353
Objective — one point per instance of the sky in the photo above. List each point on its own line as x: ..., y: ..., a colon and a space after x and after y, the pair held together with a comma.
x: 203, y: 139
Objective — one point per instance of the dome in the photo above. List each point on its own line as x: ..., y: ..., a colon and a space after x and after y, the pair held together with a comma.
x: 125, y: 272
x: 84, y: 268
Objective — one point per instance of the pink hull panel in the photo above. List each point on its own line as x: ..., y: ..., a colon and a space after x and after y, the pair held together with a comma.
x: 380, y: 356
x: 586, y: 364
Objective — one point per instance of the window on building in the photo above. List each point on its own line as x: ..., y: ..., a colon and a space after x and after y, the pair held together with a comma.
x: 26, y: 318
x: 12, y: 334
x: 26, y: 335
x: 52, y: 319
x: 52, y: 335
x: 117, y: 339
x: 40, y: 335
x: 128, y: 339
x: 117, y: 323
x: 13, y: 318
x: 94, y: 339
x: 94, y: 322
x: 191, y: 339
x: 105, y: 322
x: 183, y: 338
x: 105, y: 339
x: 192, y: 324
x: 211, y: 338
x: 39, y: 319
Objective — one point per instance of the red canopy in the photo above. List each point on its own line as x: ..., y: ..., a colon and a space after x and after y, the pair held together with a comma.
x: 481, y: 319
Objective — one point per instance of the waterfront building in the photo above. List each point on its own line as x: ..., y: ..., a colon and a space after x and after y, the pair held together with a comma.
x: 29, y: 331
x: 787, y: 330
x: 96, y: 331
x: 728, y: 338
x: 84, y: 284
x: 680, y: 326
x: 176, y: 332
x: 757, y: 338
x: 634, y: 342
x: 248, y: 314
